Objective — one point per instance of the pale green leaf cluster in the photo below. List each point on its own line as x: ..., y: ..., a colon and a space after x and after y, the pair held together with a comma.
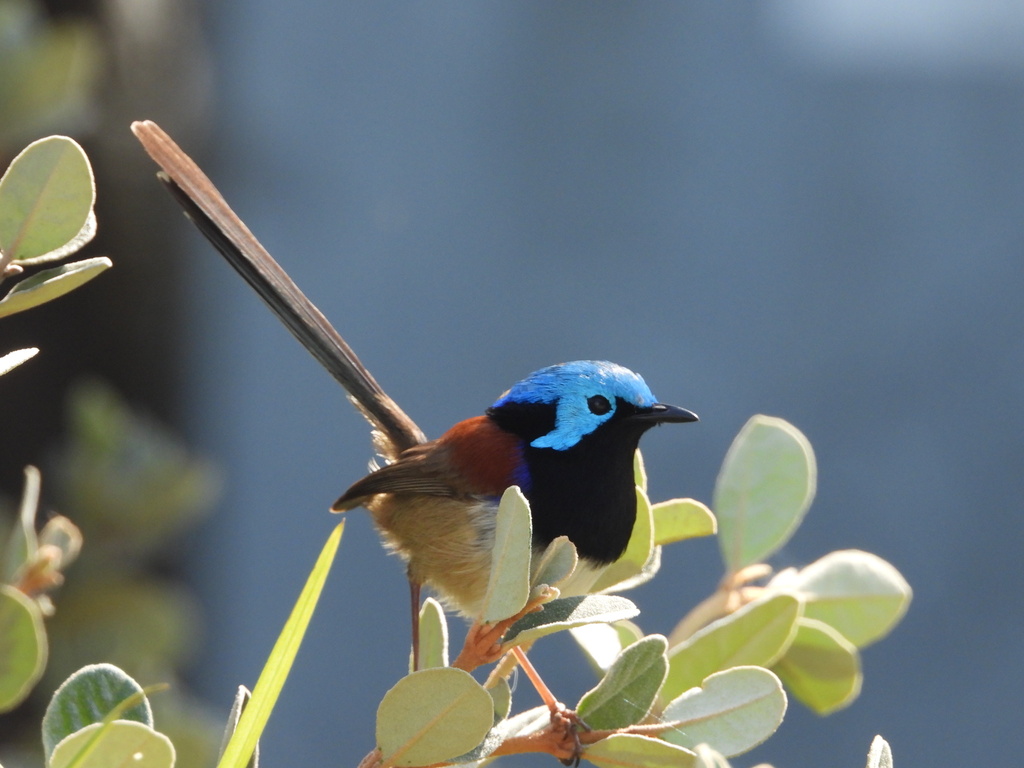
x: 46, y: 214
x: 806, y: 624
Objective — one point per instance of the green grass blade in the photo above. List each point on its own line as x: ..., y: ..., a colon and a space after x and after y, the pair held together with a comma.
x: 275, y: 672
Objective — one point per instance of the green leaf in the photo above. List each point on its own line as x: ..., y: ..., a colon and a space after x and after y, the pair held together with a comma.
x: 858, y: 593
x: 86, y: 698
x: 765, y: 486
x: 639, y: 554
x: 625, y: 694
x: 821, y: 668
x: 23, y: 542
x: 556, y: 563
x: 602, y: 643
x: 12, y: 360
x: 755, y: 635
x: 733, y: 711
x: 119, y: 743
x: 679, y: 519
x: 279, y: 663
x: 49, y: 284
x: 626, y: 750
x: 46, y: 200
x: 880, y: 754
x: 568, y: 612
x: 431, y: 716
x: 639, y: 471
x: 508, y: 587
x: 433, y: 635
x: 22, y: 646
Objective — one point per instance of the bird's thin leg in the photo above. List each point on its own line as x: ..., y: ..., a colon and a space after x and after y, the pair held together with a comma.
x: 414, y: 600
x: 565, y: 723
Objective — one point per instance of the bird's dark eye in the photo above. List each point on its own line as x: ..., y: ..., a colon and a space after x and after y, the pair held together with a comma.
x: 598, y: 405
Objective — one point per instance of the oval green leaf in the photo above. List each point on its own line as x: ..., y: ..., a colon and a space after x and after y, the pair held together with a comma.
x: 431, y: 716
x: 569, y: 612
x: 626, y: 693
x: 857, y: 593
x: 48, y: 284
x: 639, y: 471
x: 46, y: 199
x: 508, y: 587
x: 821, y: 668
x: 679, y: 519
x: 756, y: 635
x: 22, y: 646
x: 765, y: 486
x: 433, y: 635
x: 114, y: 744
x: 733, y: 711
x: 627, y: 750
x: 556, y: 564
x: 12, y: 360
x: 87, y: 697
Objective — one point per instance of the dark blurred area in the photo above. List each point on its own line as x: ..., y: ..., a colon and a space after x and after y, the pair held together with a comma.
x: 811, y: 210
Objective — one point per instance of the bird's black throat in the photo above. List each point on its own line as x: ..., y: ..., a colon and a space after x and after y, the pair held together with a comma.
x: 586, y: 492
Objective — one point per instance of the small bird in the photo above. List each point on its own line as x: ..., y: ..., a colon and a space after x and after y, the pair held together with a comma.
x: 566, y: 434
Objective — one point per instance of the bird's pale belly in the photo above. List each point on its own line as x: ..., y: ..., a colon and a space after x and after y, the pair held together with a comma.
x: 446, y: 542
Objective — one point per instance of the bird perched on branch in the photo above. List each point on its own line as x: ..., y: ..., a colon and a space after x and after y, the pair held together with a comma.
x: 565, y: 434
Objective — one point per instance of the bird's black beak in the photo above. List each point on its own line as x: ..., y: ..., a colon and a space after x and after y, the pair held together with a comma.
x: 662, y: 413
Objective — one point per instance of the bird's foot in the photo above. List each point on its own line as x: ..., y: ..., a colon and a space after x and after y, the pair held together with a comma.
x: 560, y: 738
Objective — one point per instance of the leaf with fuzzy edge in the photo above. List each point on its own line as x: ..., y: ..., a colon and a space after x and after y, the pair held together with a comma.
x: 89, y: 696
x: 50, y: 284
x: 46, y: 201
x: 765, y: 486
x: 23, y: 646
x: 680, y: 519
x: 566, y: 613
x: 821, y: 668
x: 625, y: 694
x: 733, y: 711
x: 432, y: 716
x: 880, y: 754
x: 508, y: 588
x: 857, y: 593
x: 755, y: 635
x: 627, y: 750
x: 119, y: 743
x: 433, y: 635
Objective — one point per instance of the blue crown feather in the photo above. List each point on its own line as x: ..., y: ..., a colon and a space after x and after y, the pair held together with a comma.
x: 568, y: 386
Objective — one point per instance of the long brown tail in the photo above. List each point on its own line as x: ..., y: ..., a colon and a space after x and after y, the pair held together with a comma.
x: 208, y: 210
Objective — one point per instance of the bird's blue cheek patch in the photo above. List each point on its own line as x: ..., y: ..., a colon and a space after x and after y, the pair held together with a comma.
x: 573, y: 421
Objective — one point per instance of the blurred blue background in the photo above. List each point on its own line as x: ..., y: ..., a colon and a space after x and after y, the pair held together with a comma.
x: 810, y: 210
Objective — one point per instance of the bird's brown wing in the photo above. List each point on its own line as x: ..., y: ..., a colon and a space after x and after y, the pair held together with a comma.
x: 418, y: 470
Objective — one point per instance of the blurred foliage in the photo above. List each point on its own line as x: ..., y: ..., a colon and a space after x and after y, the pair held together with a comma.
x: 48, y: 74
x: 128, y: 483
